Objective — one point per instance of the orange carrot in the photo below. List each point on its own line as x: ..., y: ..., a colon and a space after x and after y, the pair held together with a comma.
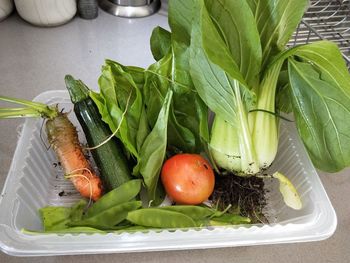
x: 63, y: 138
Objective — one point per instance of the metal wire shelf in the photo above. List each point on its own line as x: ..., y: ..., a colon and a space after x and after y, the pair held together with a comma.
x: 326, y: 19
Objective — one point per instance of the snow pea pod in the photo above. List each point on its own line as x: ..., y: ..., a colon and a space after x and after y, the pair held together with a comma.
x: 78, y: 210
x: 229, y: 219
x: 69, y: 230
x: 193, y: 211
x: 122, y: 194
x: 160, y: 218
x: 133, y: 229
x: 107, y: 219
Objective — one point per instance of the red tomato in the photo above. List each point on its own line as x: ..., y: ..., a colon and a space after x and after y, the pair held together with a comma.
x: 188, y: 179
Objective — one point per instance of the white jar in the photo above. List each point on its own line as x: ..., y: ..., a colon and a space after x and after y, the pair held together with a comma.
x: 46, y: 12
x: 6, y: 7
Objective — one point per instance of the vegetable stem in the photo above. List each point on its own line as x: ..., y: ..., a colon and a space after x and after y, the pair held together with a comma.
x: 265, y: 126
x: 34, y: 109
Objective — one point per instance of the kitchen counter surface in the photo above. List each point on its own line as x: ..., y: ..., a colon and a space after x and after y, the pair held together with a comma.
x: 33, y: 60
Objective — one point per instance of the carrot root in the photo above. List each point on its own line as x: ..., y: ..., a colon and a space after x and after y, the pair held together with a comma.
x: 63, y: 138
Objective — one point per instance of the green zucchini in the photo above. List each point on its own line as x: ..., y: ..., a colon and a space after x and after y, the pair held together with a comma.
x: 109, y: 158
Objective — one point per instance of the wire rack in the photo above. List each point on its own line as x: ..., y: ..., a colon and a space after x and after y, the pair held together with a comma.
x: 326, y: 19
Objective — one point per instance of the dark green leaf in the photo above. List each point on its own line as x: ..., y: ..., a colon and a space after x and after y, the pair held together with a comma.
x: 118, y: 85
x: 276, y: 21
x: 160, y: 42
x: 152, y: 152
x: 321, y: 104
x: 184, y: 116
x: 157, y: 84
x: 235, y: 22
x: 180, y: 20
x: 283, y: 101
x: 190, y: 118
x: 216, y: 88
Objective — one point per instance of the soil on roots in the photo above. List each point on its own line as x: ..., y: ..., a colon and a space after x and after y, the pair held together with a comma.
x: 245, y: 194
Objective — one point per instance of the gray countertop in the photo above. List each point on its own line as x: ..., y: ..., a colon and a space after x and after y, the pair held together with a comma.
x: 33, y: 60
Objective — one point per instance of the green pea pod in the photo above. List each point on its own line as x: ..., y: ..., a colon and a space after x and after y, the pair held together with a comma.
x: 78, y: 210
x: 122, y: 194
x: 218, y: 223
x: 229, y: 219
x: 70, y: 230
x: 203, y: 222
x: 55, y: 217
x: 160, y: 218
x: 133, y: 229
x: 193, y: 211
x: 107, y: 219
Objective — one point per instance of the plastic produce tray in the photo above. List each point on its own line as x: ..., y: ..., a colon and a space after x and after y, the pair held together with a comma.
x: 34, y: 181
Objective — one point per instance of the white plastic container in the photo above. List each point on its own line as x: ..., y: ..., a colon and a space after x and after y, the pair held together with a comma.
x: 34, y: 182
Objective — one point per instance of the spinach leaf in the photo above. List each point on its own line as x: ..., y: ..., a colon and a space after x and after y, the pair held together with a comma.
x: 190, y: 112
x: 153, y: 150
x: 120, y: 86
x: 157, y: 84
x: 185, y: 118
x: 160, y: 42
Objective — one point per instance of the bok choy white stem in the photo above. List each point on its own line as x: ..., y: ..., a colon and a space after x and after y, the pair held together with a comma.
x: 265, y: 125
x: 231, y: 146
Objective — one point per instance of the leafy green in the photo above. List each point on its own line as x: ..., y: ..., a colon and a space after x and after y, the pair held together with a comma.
x: 227, y: 46
x: 118, y: 90
x: 156, y: 86
x: 186, y: 120
x: 160, y: 42
x: 276, y: 21
x: 212, y: 82
x: 189, y: 110
x: 234, y: 22
x: 152, y: 152
x: 321, y: 107
x: 283, y: 102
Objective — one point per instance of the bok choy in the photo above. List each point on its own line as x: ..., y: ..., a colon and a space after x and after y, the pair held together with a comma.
x: 238, y: 54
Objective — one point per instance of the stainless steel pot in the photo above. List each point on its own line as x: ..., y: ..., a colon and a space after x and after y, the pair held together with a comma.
x: 130, y: 8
